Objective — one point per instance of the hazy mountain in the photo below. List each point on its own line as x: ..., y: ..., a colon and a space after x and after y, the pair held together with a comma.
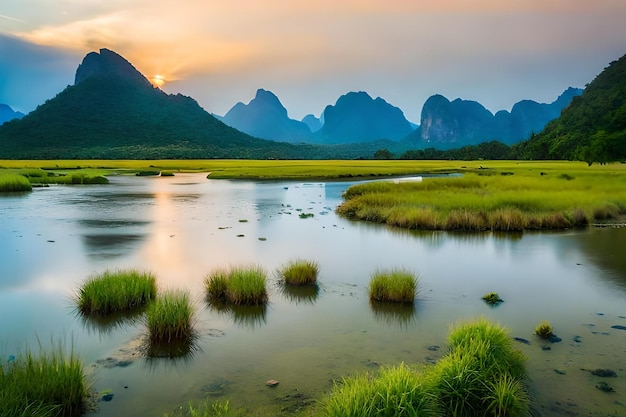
x: 356, y: 117
x: 452, y: 124
x: 113, y: 111
x: 7, y: 113
x: 592, y: 128
x: 312, y: 122
x: 265, y: 117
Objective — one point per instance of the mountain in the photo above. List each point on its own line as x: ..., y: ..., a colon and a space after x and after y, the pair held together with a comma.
x: 112, y: 111
x: 312, y: 122
x: 356, y: 117
x: 7, y: 113
x: 453, y: 124
x: 592, y: 128
x: 265, y: 117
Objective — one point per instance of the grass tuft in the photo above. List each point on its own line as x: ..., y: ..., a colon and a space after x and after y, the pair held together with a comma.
x: 396, y: 285
x: 47, y: 384
x: 170, y: 317
x: 116, y: 291
x: 299, y: 272
x: 544, y: 329
x: 492, y: 298
x: 244, y: 285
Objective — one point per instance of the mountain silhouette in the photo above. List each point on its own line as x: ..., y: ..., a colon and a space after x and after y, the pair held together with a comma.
x: 265, y: 117
x: 7, y: 113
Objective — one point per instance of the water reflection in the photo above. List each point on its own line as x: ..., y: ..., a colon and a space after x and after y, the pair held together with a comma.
x: 394, y: 314
x: 300, y: 294
x: 108, y: 245
x: 605, y: 248
x: 245, y: 316
x: 104, y: 324
x: 179, y: 349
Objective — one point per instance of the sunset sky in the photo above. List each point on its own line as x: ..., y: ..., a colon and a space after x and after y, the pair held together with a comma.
x: 496, y: 52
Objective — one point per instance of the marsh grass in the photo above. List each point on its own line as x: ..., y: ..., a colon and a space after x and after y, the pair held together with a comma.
x: 205, y: 408
x: 396, y: 391
x: 48, y: 383
x: 299, y: 272
x: 544, y: 329
x: 10, y: 182
x: 508, y: 203
x: 116, y: 291
x: 395, y: 285
x: 492, y: 298
x: 241, y: 285
x: 170, y: 317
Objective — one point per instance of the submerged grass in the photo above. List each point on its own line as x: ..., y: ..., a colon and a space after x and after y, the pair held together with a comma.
x: 299, y: 272
x: 116, y: 291
x: 242, y: 285
x: 170, y: 317
x: 395, y: 285
x: 46, y: 384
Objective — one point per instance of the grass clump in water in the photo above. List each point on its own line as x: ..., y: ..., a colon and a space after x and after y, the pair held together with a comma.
x: 10, y: 182
x: 299, y: 272
x: 396, y: 285
x: 492, y: 298
x: 205, y: 408
x: 116, y: 291
x: 48, y: 384
x: 170, y: 317
x: 544, y: 329
x: 245, y: 285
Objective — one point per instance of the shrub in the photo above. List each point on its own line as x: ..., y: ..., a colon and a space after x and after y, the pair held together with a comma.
x: 396, y: 285
x: 299, y: 272
x: 115, y: 291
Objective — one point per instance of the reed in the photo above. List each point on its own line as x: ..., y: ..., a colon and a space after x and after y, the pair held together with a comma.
x: 395, y: 285
x: 544, y: 329
x: 299, y: 272
x: 10, y: 182
x: 46, y: 384
x: 242, y: 285
x: 170, y: 317
x: 116, y: 291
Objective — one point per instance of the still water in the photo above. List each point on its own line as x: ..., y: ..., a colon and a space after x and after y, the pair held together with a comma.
x: 183, y: 227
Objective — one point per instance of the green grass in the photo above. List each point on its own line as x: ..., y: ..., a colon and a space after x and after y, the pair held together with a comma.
x: 10, y: 182
x: 205, y: 408
x: 116, y: 291
x: 544, y: 329
x: 492, y: 298
x: 46, y: 384
x: 241, y: 285
x: 299, y: 272
x: 170, y: 317
x: 545, y: 195
x: 396, y: 285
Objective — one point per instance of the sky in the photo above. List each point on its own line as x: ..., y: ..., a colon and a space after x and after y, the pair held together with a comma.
x: 219, y: 52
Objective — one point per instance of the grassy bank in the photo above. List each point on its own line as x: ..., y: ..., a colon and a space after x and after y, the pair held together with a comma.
x: 11, y: 182
x: 512, y: 197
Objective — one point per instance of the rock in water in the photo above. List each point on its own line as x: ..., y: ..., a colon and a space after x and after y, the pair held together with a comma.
x: 272, y: 383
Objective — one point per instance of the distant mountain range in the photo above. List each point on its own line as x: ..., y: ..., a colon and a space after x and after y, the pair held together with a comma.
x: 7, y: 113
x: 112, y: 111
x: 357, y: 118
x: 452, y: 124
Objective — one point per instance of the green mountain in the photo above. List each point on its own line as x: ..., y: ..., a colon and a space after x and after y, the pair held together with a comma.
x: 592, y: 128
x: 112, y: 112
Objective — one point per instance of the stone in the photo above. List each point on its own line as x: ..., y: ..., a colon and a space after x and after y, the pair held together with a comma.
x: 272, y: 383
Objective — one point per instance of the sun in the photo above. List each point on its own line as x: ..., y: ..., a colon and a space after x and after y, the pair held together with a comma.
x: 158, y: 80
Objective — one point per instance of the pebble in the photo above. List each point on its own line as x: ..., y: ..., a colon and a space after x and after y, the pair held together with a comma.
x: 272, y: 383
